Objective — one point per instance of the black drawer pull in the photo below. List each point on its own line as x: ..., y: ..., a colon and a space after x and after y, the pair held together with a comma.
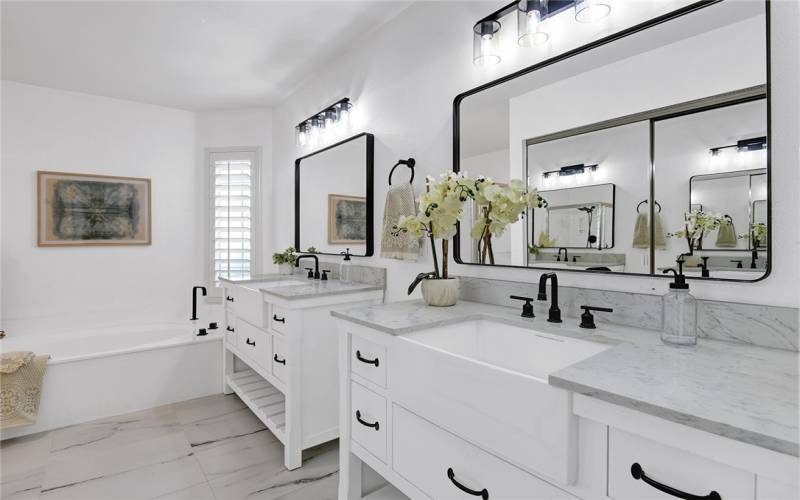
x: 281, y: 361
x: 250, y: 342
x: 375, y: 426
x: 229, y: 328
x: 367, y: 361
x: 229, y: 298
x: 638, y: 473
x: 279, y: 320
x: 484, y: 493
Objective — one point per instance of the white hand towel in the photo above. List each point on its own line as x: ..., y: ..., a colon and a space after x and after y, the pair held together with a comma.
x: 399, y: 202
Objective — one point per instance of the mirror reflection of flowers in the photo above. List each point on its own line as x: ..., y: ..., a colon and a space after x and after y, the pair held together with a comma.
x: 499, y: 205
x: 440, y: 208
x: 698, y: 224
x: 758, y: 233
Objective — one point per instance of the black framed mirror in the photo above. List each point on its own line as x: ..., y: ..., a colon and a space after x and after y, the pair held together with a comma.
x: 643, y: 112
x: 336, y: 213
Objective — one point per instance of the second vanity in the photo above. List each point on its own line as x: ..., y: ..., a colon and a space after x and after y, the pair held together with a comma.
x: 280, y: 354
x: 475, y: 401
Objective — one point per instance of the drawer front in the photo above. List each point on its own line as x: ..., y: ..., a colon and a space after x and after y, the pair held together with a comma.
x: 279, y: 320
x: 230, y: 330
x: 250, y: 306
x: 435, y: 460
x: 671, y: 467
x: 368, y: 420
x: 253, y: 342
x: 279, y: 359
x: 368, y: 360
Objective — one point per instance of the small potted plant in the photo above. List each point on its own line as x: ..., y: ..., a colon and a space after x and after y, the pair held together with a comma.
x: 499, y: 206
x: 285, y: 260
x: 758, y: 233
x: 440, y: 208
x: 696, y: 225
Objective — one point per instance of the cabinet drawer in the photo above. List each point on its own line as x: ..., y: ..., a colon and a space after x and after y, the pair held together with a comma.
x: 279, y: 359
x: 368, y: 360
x: 279, y: 321
x: 671, y: 467
x: 253, y: 342
x: 368, y: 420
x: 435, y: 460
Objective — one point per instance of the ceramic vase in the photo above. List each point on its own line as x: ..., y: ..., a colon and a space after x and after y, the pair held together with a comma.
x: 285, y: 269
x: 440, y: 292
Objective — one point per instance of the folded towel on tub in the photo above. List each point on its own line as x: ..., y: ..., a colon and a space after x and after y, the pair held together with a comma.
x: 21, y: 376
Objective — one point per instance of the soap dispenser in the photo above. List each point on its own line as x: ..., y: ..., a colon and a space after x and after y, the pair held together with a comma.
x: 680, y: 311
x: 345, y: 268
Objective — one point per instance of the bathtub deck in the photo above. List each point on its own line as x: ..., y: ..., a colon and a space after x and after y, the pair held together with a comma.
x: 207, y: 448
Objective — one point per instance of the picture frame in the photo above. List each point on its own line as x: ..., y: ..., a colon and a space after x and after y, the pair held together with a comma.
x: 75, y: 209
x: 347, y: 219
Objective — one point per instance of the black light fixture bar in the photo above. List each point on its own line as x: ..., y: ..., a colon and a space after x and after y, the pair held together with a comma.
x: 553, y: 8
x: 571, y: 170
x: 751, y: 144
x: 332, y: 107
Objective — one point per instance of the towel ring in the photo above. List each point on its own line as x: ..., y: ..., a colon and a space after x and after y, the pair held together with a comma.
x: 409, y: 163
x: 658, y: 205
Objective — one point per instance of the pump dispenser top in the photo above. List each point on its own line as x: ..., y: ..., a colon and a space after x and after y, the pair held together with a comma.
x: 680, y: 278
x: 345, y: 274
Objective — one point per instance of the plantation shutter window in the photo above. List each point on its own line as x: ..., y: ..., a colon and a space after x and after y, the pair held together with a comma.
x: 233, y: 178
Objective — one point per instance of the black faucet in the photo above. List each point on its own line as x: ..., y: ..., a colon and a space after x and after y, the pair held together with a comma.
x: 704, y: 266
x: 753, y: 258
x: 554, y: 313
x: 566, y: 254
x: 587, y: 319
x: 316, y: 265
x: 194, y: 300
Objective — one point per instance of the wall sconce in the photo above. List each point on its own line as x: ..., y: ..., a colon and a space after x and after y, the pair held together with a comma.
x: 531, y: 25
x: 744, y: 145
x: 589, y: 11
x: 486, y: 43
x: 324, y: 123
x: 580, y: 168
x: 531, y: 15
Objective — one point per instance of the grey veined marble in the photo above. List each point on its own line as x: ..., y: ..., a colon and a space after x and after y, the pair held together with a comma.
x: 765, y: 326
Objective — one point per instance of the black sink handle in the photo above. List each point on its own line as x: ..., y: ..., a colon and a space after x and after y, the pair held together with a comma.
x: 638, y: 473
x: 484, y: 493
x: 367, y: 361
x: 376, y: 425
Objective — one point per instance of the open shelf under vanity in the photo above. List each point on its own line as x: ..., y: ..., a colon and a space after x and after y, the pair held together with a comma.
x: 264, y: 400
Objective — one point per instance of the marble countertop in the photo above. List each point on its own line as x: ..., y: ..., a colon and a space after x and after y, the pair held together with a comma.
x: 297, y: 287
x: 741, y: 392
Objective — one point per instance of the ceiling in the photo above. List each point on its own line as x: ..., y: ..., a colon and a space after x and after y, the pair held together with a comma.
x: 189, y: 55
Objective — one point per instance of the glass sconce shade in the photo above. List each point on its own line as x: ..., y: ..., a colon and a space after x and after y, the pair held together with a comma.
x: 331, y: 117
x: 343, y: 111
x: 486, y: 43
x: 302, y: 134
x: 530, y: 22
x: 588, y: 11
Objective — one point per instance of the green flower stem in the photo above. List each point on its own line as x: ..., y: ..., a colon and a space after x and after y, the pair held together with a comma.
x: 433, y: 251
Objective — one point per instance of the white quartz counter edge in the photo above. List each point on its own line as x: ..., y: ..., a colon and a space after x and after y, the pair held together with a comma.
x: 304, y: 290
x: 745, y: 393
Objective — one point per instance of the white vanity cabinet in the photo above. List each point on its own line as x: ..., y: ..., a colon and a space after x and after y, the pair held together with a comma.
x: 280, y: 358
x: 390, y: 420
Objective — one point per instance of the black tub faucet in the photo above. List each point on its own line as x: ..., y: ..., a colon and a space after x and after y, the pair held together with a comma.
x: 566, y: 254
x: 753, y: 258
x: 554, y: 313
x: 194, y: 300
x: 316, y: 275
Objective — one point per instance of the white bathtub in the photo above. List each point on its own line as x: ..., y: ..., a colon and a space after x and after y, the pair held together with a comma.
x: 104, y: 372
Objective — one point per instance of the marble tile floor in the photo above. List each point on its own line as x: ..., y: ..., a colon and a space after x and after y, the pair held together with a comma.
x: 208, y: 448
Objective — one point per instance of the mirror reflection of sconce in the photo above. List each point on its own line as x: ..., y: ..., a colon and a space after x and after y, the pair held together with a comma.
x: 578, y: 169
x: 744, y: 145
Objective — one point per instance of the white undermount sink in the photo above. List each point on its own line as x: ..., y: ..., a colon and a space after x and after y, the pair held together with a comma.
x: 487, y: 382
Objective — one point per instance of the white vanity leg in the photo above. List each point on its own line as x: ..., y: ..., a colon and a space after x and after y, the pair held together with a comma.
x: 292, y: 456
x: 350, y: 466
x: 227, y: 369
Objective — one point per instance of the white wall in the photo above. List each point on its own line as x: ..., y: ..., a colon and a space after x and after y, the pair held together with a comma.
x: 403, y: 80
x: 46, y: 129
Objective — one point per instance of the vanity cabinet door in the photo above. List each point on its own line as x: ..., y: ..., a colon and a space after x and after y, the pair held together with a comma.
x: 279, y: 321
x: 440, y: 464
x: 279, y: 358
x: 671, y: 467
x: 368, y: 360
x: 252, y: 342
x: 368, y: 420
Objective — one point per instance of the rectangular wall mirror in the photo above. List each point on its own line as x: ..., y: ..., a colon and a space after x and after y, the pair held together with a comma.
x: 336, y: 213
x: 644, y: 156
